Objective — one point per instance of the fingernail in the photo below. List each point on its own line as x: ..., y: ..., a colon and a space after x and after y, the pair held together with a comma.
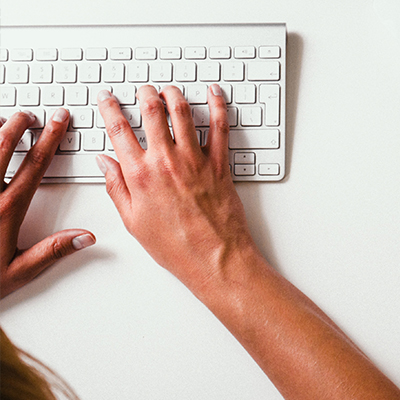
x: 103, y: 95
x: 60, y: 115
x: 216, y: 90
x: 31, y: 115
x: 102, y: 165
x: 80, y: 242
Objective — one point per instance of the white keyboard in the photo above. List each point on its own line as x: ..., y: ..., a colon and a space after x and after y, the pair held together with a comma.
x: 43, y: 68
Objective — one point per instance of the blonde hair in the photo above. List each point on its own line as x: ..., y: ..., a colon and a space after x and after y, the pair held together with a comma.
x: 25, y: 377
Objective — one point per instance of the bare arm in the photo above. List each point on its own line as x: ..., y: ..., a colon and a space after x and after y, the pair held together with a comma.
x: 179, y: 201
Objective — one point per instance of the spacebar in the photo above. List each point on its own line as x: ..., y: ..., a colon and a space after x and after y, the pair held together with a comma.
x: 63, y: 166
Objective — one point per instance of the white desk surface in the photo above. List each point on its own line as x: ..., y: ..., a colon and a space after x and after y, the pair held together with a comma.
x: 117, y: 326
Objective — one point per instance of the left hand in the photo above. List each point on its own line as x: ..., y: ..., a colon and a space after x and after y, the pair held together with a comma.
x: 18, y: 267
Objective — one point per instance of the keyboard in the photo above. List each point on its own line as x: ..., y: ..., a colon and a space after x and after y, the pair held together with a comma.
x: 43, y: 68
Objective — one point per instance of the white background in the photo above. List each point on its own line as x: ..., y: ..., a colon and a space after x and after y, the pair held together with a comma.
x: 117, y: 326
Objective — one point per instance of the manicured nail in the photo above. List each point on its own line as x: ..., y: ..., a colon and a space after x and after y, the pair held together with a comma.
x: 103, y: 95
x: 216, y: 90
x: 32, y: 116
x: 80, y: 242
x: 60, y: 115
x: 102, y: 165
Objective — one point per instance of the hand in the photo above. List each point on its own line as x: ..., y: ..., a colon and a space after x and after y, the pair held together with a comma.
x: 176, y: 198
x: 18, y: 267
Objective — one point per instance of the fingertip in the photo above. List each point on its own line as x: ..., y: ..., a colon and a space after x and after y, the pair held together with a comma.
x: 60, y: 115
x: 82, y: 241
x: 103, y: 95
x: 216, y: 90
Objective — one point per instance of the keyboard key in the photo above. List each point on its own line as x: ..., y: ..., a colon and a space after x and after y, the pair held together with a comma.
x: 42, y: 73
x: 244, y: 169
x: 270, y: 96
x: 145, y: 53
x: 93, y: 140
x: 138, y: 72
x: 201, y: 116
x: 49, y: 54
x: 53, y: 95
x: 263, y: 71
x: 245, y: 94
x: 269, y: 52
x: 8, y: 96
x: 161, y: 72
x: 94, y: 91
x: 71, y: 142
x: 96, y: 54
x: 29, y: 96
x: 195, y: 53
x: 3, y: 55
x: 21, y: 55
x: 125, y: 94
x: 210, y: 72
x: 185, y: 72
x: 268, y: 169
x: 245, y: 158
x: 254, y: 139
x: 76, y: 95
x: 18, y: 73
x: 81, y: 118
x: 232, y: 116
x: 219, y: 53
x: 89, y: 72
x: 71, y: 54
x: 121, y: 53
x: 40, y: 117
x: 2, y: 73
x: 245, y: 52
x: 233, y: 71
x: 197, y: 94
x: 114, y: 72
x: 65, y: 73
x: 251, y: 116
x: 25, y: 143
x: 170, y: 53
x: 133, y: 117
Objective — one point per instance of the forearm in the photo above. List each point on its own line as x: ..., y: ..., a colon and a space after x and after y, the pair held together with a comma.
x: 301, y: 350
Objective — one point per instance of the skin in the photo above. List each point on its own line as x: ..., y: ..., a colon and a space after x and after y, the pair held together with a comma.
x: 178, y: 200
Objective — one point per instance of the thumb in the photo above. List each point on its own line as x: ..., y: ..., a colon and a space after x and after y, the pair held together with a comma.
x: 31, y: 262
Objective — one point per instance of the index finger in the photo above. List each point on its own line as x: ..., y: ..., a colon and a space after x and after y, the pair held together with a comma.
x: 123, y: 139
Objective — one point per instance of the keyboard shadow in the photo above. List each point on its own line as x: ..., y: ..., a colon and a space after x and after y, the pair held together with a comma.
x: 294, y: 57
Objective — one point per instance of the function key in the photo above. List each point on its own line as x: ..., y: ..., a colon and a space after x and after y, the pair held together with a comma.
x: 170, y: 53
x: 96, y: 54
x: 245, y: 52
x: 22, y: 55
x: 121, y: 53
x: 3, y: 55
x: 218, y: 53
x: 46, y: 54
x: 195, y: 53
x: 145, y: 53
x: 71, y: 54
x: 269, y: 52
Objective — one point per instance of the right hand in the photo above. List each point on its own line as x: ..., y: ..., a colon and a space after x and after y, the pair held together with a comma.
x: 176, y: 198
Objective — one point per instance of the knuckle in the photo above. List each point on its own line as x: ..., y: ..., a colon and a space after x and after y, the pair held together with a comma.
x: 221, y: 125
x: 58, y: 249
x: 38, y: 158
x: 7, y: 143
x: 152, y: 106
x: 118, y: 127
x: 181, y: 108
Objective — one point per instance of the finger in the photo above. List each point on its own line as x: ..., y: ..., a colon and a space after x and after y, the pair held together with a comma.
x: 154, y: 119
x: 123, y: 139
x: 218, y: 135
x: 10, y: 133
x: 34, y: 165
x: 181, y: 118
x: 30, y: 263
x: 115, y: 183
